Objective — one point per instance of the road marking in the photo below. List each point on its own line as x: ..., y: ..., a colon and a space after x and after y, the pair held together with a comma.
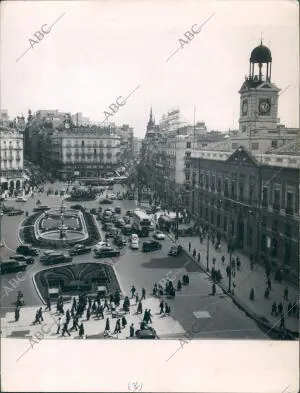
x: 202, y: 314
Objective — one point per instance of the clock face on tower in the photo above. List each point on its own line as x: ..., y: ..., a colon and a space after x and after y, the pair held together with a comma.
x: 264, y: 107
x: 245, y: 107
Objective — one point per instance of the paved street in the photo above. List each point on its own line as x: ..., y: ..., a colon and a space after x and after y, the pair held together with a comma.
x: 194, y: 308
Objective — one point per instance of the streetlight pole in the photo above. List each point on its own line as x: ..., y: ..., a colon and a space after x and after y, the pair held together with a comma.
x: 207, y: 248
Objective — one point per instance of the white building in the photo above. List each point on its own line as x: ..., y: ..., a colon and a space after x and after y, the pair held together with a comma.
x: 11, y: 159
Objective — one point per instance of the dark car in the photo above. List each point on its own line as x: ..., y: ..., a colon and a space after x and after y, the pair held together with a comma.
x: 127, y: 230
x: 120, y: 241
x: 22, y: 258
x: 112, y: 232
x: 117, y: 210
x: 107, y: 226
x: 126, y: 219
x: 146, y: 333
x: 120, y: 223
x: 129, y: 213
x: 151, y: 245
x: 107, y: 252
x: 148, y: 211
x: 55, y: 258
x: 106, y: 201
x: 130, y: 197
x: 12, y: 266
x: 7, y: 209
x: 41, y: 208
x: 15, y: 212
x: 78, y: 207
x: 175, y: 250
x: 79, y: 249
x: 27, y: 249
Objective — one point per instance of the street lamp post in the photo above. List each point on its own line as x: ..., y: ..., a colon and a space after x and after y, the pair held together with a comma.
x: 1, y: 215
x: 207, y: 247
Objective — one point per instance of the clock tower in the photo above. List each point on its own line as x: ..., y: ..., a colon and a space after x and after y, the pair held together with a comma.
x: 259, y: 96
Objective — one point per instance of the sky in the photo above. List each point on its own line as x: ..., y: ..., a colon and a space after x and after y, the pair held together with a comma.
x: 101, y: 50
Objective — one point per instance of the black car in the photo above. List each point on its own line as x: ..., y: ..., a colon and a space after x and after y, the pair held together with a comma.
x: 129, y: 213
x: 7, y: 209
x: 15, y: 212
x: 120, y: 223
x: 27, y: 250
x: 131, y: 197
x: 12, y: 266
x: 105, y: 252
x: 41, y: 208
x: 117, y: 210
x: 120, y: 241
x: 79, y: 249
x: 107, y: 226
x: 106, y: 201
x: 151, y: 245
x: 78, y: 207
x: 55, y: 258
x: 22, y: 258
x: 175, y: 251
x: 127, y: 230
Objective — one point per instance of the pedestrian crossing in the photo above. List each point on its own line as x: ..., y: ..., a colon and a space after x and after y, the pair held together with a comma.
x: 165, y: 326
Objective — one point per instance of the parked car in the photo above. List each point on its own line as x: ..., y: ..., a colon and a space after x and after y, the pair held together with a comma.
x: 20, y: 199
x: 12, y: 266
x: 27, y: 249
x: 120, y: 241
x: 127, y: 230
x: 99, y: 245
x: 7, y: 209
x: 120, y: 223
x: 112, y: 196
x: 106, y: 201
x: 112, y: 232
x: 129, y: 213
x: 131, y: 197
x: 126, y: 219
x: 105, y: 252
x: 58, y: 258
x: 22, y: 258
x: 175, y: 251
x: 80, y: 249
x: 44, y: 257
x: 118, y: 210
x: 107, y: 226
x: 159, y: 235
x: 147, y: 333
x: 120, y: 197
x: 16, y: 212
x: 41, y: 208
x: 134, y: 241
x: 78, y: 207
x: 151, y: 245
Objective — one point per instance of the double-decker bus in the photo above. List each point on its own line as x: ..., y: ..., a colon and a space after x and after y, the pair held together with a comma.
x: 141, y: 223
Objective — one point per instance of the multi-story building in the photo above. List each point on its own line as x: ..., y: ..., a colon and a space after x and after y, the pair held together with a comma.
x: 126, y: 141
x: 250, y: 199
x: 11, y: 159
x: 79, y: 152
x: 79, y: 120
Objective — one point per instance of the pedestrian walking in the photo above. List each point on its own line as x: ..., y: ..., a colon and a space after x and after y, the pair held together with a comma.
x: 48, y: 307
x: 149, y: 315
x: 143, y: 294
x: 131, y: 330
x: 75, y: 323
x: 124, y: 322
x: 132, y: 290
x: 190, y: 246
x: 214, y: 261
x: 168, y: 310
x: 282, y: 325
x: 194, y: 253
x: 81, y: 330
x: 223, y: 259
x: 269, y: 283
x: 118, y: 327
x: 213, y: 289
x: 280, y: 308
x: 286, y: 293
x: 136, y: 298
x: 65, y: 330
x: 41, y: 314
x: 140, y: 308
x: 37, y: 318
x: 107, y: 325
x: 88, y: 314
x: 267, y: 292
x: 161, y: 306
x: 106, y: 304
x: 274, y: 309
x: 94, y: 307
x: 238, y: 263
x: 58, y: 325
x: 228, y: 271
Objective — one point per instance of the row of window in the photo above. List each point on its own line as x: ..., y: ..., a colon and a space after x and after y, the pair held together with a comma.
x: 88, y: 144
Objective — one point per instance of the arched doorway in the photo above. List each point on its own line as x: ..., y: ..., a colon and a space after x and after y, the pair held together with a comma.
x: 18, y: 184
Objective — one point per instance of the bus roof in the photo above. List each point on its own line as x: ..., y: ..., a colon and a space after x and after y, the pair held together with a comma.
x: 141, y: 214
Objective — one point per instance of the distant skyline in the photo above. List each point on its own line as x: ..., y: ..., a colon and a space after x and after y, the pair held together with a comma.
x: 99, y: 51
